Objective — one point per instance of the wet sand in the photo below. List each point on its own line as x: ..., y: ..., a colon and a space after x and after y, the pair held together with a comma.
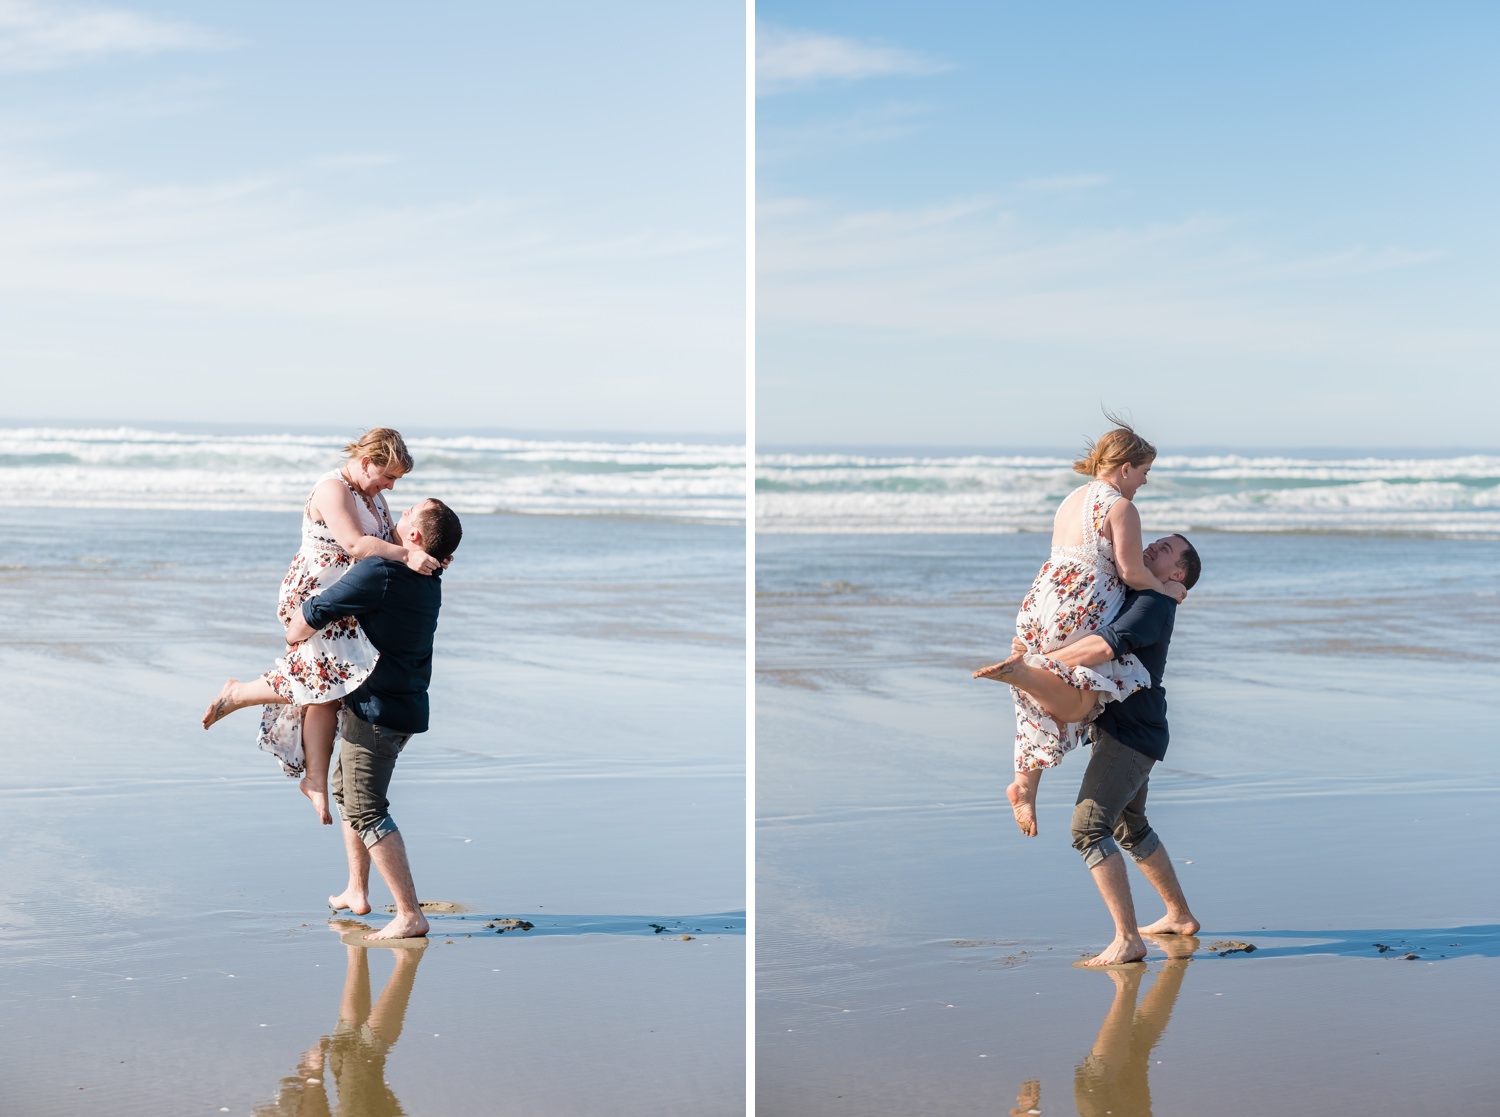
x: 915, y: 952
x: 165, y: 939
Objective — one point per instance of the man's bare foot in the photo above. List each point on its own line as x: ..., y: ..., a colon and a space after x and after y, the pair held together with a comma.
x: 1002, y: 670
x: 402, y: 927
x: 228, y: 701
x: 1178, y: 948
x: 1118, y: 953
x: 319, y: 797
x: 357, y: 902
x: 1166, y: 925
x: 1028, y: 1099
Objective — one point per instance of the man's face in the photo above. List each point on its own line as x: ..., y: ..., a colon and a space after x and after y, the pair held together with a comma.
x: 1162, y: 556
x: 407, y: 524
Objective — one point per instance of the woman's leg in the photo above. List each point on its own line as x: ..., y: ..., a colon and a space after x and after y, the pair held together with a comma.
x: 318, y: 726
x: 237, y: 695
x: 1063, y: 702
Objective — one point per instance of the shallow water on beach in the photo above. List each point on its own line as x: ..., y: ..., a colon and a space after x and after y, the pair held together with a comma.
x: 164, y: 932
x: 1332, y: 784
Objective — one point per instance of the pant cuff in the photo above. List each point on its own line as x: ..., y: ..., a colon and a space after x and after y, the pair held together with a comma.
x: 1099, y: 852
x: 376, y: 830
x: 1145, y: 847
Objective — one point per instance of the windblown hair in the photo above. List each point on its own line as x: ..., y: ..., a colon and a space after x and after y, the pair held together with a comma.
x: 1121, y: 446
x: 440, y: 529
x: 383, y: 446
x: 1189, y: 563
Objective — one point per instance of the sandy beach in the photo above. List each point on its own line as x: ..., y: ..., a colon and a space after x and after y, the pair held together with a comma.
x: 1331, y: 788
x: 166, y: 945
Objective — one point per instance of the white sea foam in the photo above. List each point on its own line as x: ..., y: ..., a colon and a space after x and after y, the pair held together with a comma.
x: 130, y: 468
x: 1230, y: 492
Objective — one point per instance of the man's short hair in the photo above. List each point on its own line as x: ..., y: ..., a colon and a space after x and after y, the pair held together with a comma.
x: 1188, y: 562
x: 440, y: 528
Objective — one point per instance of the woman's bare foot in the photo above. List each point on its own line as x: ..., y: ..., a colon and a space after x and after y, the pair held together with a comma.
x: 1118, y: 953
x: 1000, y: 671
x: 357, y: 902
x: 402, y: 927
x: 1022, y: 796
x: 1166, y: 925
x: 227, y: 702
x: 319, y: 797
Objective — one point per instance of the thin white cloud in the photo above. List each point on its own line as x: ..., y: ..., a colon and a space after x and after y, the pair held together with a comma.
x: 1066, y: 182
x: 873, y: 125
x: 973, y: 269
x: 278, y: 243
x: 787, y: 58
x: 37, y: 35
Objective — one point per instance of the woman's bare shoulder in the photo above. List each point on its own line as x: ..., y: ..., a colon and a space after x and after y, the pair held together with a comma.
x: 329, y: 492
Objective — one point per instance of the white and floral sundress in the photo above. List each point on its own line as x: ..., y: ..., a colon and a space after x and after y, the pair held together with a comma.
x: 333, y: 662
x: 1078, y: 591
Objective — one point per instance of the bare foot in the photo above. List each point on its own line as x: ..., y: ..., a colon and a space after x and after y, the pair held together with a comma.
x: 1028, y: 1099
x: 226, y: 703
x: 1166, y: 925
x: 319, y: 797
x: 357, y: 902
x: 1118, y: 953
x: 402, y: 927
x: 1022, y: 796
x: 1000, y: 671
x: 1178, y: 948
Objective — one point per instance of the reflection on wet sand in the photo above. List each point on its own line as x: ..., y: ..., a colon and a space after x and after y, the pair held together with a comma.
x: 354, y: 1053
x: 1114, y: 1077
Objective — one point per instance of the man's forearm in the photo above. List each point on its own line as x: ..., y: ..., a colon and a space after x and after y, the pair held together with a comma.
x: 1088, y: 652
x: 299, y: 630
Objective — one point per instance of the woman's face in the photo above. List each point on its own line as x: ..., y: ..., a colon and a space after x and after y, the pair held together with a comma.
x: 370, y: 478
x: 1132, y: 477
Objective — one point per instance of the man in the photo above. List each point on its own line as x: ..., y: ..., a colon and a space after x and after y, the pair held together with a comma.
x: 398, y: 610
x: 1128, y: 739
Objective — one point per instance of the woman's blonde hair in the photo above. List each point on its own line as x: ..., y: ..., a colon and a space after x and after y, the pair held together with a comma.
x: 383, y: 446
x: 1121, y: 446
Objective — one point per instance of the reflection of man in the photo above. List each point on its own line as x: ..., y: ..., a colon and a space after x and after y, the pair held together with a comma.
x: 1114, y: 1077
x: 398, y: 610
x: 1128, y: 739
x: 354, y: 1054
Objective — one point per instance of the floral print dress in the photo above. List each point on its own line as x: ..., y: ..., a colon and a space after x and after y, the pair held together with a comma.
x: 333, y: 662
x: 1077, y: 592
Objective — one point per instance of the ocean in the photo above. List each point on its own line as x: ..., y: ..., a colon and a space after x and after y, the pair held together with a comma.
x: 129, y: 467
x: 1324, y: 491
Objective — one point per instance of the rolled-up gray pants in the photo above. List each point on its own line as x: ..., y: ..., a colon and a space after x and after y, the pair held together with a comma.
x: 1111, y: 803
x: 362, y: 775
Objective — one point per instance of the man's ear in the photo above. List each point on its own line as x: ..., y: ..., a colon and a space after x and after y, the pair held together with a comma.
x: 1178, y: 575
x: 414, y: 537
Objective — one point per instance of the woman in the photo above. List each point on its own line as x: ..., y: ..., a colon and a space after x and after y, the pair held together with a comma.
x: 1096, y: 555
x: 345, y: 520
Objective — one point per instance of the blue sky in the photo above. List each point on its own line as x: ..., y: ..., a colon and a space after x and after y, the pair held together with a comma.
x: 493, y: 215
x: 1247, y: 225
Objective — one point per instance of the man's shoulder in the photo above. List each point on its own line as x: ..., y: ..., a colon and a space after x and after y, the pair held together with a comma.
x: 373, y: 569
x: 1143, y: 601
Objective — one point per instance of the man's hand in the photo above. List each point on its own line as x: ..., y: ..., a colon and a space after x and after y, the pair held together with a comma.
x: 299, y: 630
